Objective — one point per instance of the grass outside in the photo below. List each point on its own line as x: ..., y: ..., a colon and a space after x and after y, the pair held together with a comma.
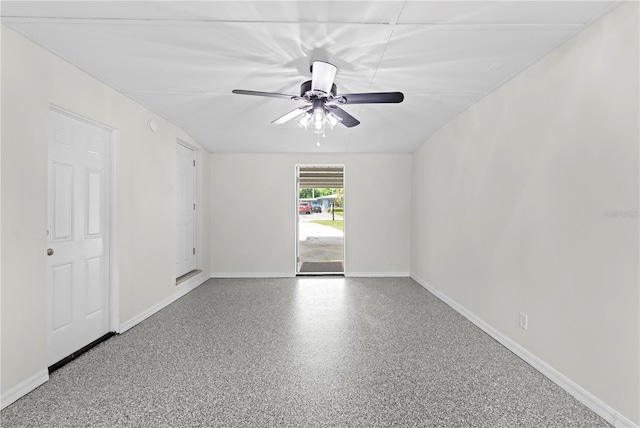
x: 338, y: 224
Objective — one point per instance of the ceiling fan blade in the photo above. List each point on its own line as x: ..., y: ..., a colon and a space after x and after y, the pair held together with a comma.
x: 291, y: 115
x: 265, y: 94
x: 322, y: 75
x: 347, y: 120
x: 370, y: 98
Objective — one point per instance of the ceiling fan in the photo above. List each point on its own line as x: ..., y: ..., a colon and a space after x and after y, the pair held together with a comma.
x: 321, y: 100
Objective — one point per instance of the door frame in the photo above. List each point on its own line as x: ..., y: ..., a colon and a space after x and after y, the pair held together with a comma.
x: 112, y: 166
x: 196, y: 203
x: 296, y: 184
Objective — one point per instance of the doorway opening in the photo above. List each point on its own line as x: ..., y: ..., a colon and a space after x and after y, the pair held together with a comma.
x: 320, y: 226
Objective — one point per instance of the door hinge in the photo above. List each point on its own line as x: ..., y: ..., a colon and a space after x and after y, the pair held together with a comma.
x: 298, y: 259
x: 194, y: 162
x: 194, y: 207
x: 194, y: 251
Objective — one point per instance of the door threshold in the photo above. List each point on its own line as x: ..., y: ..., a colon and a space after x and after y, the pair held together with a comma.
x: 187, y: 275
x: 338, y: 274
x: 62, y: 362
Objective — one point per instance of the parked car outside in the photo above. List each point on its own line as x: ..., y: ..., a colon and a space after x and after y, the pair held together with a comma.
x: 316, y: 208
x: 304, y: 207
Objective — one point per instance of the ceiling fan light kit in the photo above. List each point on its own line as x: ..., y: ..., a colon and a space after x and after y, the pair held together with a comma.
x: 321, y: 101
x: 317, y: 118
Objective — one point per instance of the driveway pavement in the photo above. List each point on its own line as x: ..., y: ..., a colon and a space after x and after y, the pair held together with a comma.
x: 308, y: 229
x: 317, y: 242
x: 318, y: 216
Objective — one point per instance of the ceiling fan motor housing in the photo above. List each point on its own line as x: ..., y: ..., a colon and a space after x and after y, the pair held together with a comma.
x: 306, y: 87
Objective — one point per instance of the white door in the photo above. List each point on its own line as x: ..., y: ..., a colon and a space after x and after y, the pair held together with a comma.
x: 185, y: 248
x: 78, y: 262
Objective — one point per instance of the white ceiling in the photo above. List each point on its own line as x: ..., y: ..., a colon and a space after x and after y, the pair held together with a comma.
x: 181, y: 59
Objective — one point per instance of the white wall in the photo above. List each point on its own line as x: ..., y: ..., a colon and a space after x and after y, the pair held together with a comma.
x: 253, y: 214
x: 32, y: 79
x: 528, y: 201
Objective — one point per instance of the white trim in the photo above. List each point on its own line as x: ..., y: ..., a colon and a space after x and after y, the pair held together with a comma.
x: 187, y: 145
x: 221, y: 275
x: 24, y: 387
x: 585, y: 397
x: 345, y: 212
x: 377, y: 274
x: 186, y: 287
x: 114, y: 232
x: 76, y: 116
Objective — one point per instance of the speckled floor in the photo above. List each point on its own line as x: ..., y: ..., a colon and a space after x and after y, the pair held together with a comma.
x: 301, y: 352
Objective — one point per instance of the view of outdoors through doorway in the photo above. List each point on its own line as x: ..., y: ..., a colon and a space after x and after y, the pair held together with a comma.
x: 320, y: 220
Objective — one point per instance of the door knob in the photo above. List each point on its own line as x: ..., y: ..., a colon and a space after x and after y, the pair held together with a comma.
x: 49, y: 251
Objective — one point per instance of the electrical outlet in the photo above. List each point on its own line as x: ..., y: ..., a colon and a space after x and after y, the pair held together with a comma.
x: 523, y: 321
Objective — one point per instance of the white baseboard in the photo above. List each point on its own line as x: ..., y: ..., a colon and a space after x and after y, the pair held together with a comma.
x: 377, y: 274
x: 592, y: 402
x: 186, y: 287
x: 23, y: 388
x: 222, y: 275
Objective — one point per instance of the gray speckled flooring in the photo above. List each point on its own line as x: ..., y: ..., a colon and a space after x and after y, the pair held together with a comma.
x: 301, y: 352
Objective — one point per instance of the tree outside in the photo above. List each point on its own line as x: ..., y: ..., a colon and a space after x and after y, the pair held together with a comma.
x: 339, y: 196
x: 315, y: 193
